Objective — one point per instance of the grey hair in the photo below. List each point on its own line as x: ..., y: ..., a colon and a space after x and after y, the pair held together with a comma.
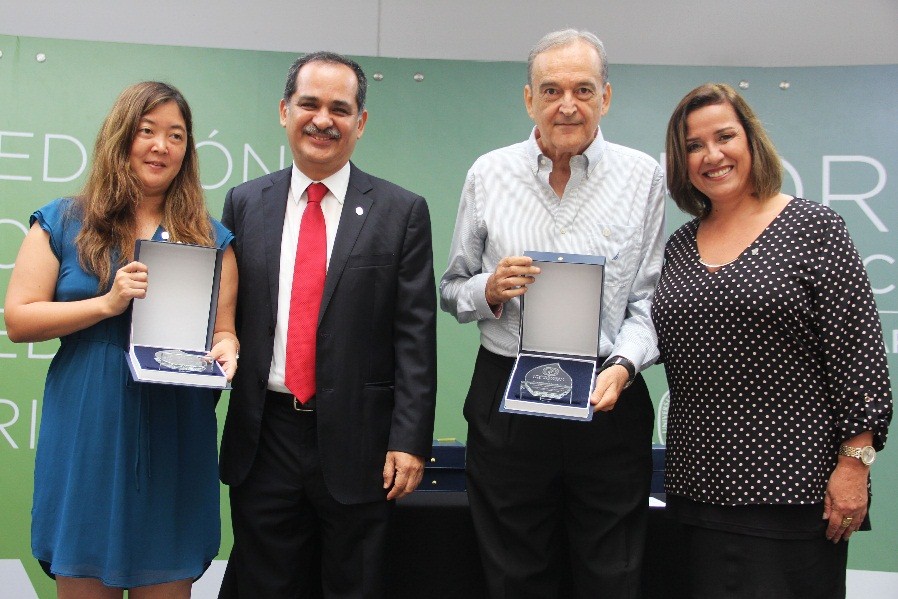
x: 563, y: 38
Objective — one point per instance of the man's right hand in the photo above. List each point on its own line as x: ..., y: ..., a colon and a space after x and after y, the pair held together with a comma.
x: 513, y: 274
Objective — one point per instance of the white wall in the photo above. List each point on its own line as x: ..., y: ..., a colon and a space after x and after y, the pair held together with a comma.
x: 724, y: 33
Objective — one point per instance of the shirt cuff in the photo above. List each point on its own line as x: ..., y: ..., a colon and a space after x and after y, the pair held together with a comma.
x: 477, y: 286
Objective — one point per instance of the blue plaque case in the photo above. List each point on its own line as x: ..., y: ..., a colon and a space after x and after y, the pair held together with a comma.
x: 445, y: 470
x: 555, y: 369
x: 178, y: 312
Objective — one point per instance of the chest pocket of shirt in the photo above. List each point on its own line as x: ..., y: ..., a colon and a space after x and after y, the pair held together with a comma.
x: 620, y: 246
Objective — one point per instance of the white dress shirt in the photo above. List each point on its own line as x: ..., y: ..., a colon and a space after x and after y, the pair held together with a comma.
x: 332, y: 206
x: 613, y: 206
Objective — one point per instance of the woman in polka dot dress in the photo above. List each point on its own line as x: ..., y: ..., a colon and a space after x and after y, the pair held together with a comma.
x: 774, y: 354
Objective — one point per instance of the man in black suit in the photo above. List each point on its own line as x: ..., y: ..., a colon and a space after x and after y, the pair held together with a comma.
x: 312, y: 479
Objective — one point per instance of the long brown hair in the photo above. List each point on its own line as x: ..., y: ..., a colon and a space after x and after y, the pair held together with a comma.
x: 107, y: 204
x: 766, y: 169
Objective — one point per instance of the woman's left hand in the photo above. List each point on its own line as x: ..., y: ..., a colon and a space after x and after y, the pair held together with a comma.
x: 225, y: 352
x: 845, y: 502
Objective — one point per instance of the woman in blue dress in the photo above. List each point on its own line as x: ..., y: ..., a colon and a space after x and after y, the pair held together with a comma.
x: 125, y: 486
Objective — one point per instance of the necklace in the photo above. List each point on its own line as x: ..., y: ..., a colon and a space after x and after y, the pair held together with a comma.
x: 706, y: 265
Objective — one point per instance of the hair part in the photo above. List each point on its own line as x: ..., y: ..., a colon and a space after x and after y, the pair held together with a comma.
x: 766, y: 168
x: 566, y: 37
x: 108, y: 203
x: 330, y: 58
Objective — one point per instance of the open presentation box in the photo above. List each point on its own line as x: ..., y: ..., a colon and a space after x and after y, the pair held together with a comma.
x: 172, y: 327
x: 561, y: 315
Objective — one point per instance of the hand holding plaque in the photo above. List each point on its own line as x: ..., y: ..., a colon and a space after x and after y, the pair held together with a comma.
x: 512, y: 276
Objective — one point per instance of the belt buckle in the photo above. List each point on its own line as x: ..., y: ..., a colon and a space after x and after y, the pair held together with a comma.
x: 298, y: 406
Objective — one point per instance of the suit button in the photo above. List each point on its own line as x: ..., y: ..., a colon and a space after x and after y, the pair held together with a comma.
x: 262, y: 383
x: 270, y: 331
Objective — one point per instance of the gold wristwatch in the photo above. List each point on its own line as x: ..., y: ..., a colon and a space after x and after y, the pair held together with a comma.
x: 866, y: 454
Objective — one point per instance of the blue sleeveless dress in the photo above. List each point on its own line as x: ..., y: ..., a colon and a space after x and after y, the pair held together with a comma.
x: 126, y: 474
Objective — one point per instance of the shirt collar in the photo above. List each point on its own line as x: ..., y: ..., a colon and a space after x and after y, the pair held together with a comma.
x: 337, y: 183
x: 591, y: 156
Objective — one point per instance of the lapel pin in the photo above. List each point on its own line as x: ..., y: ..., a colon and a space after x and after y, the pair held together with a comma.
x: 359, y: 211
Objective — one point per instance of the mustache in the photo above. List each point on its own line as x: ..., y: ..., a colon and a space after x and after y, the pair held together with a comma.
x: 331, y: 132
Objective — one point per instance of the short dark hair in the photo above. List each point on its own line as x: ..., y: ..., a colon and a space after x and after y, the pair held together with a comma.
x: 333, y: 58
x: 766, y: 168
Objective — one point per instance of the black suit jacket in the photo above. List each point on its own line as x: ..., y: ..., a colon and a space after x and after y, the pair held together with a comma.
x: 376, y: 353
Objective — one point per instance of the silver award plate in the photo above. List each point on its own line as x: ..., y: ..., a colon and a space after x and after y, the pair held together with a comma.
x: 548, y: 382
x: 175, y: 359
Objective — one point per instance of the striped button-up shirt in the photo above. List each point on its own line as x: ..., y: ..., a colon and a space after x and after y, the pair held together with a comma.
x: 613, y: 206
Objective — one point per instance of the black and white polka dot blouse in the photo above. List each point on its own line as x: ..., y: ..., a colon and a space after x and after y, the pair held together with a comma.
x: 772, y: 361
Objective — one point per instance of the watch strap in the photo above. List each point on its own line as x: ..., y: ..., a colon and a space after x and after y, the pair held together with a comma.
x: 865, y: 454
x: 626, y: 363
x: 851, y: 452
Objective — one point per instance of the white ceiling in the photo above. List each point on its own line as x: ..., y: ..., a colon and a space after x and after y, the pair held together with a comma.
x: 671, y: 32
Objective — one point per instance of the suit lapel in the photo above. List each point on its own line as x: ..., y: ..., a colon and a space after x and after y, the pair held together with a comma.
x: 274, y: 206
x: 356, y: 208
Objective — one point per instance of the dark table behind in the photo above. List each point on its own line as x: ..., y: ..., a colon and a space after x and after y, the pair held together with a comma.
x: 432, y: 552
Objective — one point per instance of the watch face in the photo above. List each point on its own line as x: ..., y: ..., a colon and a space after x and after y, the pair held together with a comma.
x: 868, y: 455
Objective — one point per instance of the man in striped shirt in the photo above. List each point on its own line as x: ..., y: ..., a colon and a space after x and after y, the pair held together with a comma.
x: 560, y: 503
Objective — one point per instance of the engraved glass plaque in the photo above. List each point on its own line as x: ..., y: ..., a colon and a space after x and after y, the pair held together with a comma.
x: 548, y: 382
x: 182, y: 361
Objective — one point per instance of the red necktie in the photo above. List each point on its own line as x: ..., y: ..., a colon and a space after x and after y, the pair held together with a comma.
x: 305, y: 297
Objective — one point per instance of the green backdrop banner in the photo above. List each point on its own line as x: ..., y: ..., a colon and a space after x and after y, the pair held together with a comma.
x: 429, y: 120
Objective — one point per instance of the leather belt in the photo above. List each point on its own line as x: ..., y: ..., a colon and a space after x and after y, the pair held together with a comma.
x: 287, y: 398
